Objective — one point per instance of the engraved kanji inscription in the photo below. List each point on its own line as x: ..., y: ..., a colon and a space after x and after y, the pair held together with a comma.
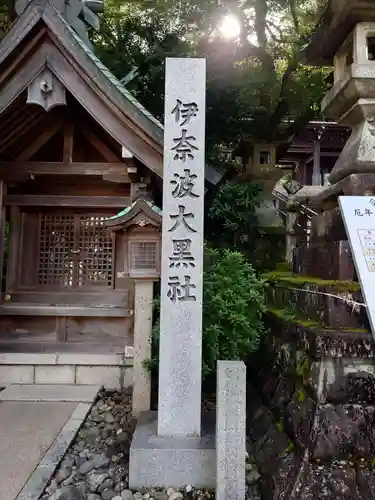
x: 184, y: 147
x: 184, y: 111
x: 184, y: 185
x: 180, y: 218
x: 181, y: 291
x: 181, y: 254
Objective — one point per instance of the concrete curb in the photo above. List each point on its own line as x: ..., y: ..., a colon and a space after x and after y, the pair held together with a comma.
x: 41, y: 476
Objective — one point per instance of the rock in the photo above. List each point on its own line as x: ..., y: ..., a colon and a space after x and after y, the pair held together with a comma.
x: 62, y: 474
x: 119, y: 487
x: 146, y: 496
x: 79, y: 461
x: 94, y: 480
x: 68, y: 462
x: 117, y: 498
x: 122, y: 437
x: 87, y: 467
x: 176, y: 495
x: 170, y: 491
x: 356, y: 387
x: 52, y: 487
x: 109, y: 418
x: 159, y: 495
x: 106, y: 484
x: 67, y: 493
x: 253, y: 493
x: 100, y: 461
x: 94, y: 496
x: 83, y: 488
x: 341, y: 431
x: 69, y: 480
x: 108, y: 494
x: 252, y: 477
x: 93, y: 432
x: 128, y: 495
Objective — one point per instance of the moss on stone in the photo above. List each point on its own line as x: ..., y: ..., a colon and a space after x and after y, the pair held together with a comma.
x: 282, y: 314
x: 280, y: 426
x: 309, y: 323
x: 301, y: 395
x: 287, y: 278
x: 303, y: 368
x: 284, y: 267
x: 289, y: 449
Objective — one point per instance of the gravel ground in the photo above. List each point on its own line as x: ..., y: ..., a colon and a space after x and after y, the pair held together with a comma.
x: 96, y: 467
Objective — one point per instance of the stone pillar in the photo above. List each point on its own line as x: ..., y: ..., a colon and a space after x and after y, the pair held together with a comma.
x: 290, y: 239
x: 316, y: 176
x: 230, y: 430
x: 142, y: 346
x: 180, y: 360
x: 167, y: 449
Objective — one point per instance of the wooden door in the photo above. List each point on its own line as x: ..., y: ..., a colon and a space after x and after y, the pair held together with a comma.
x: 75, y: 251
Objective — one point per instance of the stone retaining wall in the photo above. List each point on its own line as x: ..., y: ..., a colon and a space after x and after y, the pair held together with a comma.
x: 311, y: 421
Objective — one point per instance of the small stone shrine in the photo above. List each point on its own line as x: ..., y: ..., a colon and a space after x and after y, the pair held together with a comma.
x: 313, y: 429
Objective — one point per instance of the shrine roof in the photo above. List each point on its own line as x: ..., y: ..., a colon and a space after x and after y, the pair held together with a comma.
x: 113, y: 89
x: 128, y: 209
x: 334, y: 26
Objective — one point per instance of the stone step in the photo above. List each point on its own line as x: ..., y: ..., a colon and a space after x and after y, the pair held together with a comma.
x: 330, y: 306
x: 113, y: 371
x: 50, y: 392
x: 321, y: 341
x: 327, y: 260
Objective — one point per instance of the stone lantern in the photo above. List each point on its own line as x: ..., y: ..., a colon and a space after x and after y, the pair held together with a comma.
x: 345, y: 39
x: 261, y: 168
x: 140, y: 224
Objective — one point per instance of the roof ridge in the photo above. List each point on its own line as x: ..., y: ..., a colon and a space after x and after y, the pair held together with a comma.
x: 104, y: 69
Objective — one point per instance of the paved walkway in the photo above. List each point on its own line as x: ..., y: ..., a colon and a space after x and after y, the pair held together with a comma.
x: 29, y: 425
x: 27, y: 430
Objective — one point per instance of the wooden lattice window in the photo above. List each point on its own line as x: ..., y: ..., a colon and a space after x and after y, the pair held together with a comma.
x: 75, y: 251
x: 143, y: 255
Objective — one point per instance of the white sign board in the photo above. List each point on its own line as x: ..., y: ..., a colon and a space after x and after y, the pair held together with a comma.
x: 358, y: 213
x: 180, y: 359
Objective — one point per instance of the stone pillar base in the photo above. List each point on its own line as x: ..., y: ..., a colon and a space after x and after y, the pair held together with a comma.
x: 172, y: 462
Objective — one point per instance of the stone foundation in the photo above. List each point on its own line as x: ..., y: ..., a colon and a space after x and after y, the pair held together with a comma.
x: 312, y: 421
x: 326, y: 260
x: 111, y: 371
x: 157, y: 461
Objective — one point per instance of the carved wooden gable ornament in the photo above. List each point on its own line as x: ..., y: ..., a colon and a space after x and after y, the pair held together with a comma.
x: 140, y: 214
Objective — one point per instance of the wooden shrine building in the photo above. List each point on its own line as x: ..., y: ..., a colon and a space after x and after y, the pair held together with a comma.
x: 75, y: 147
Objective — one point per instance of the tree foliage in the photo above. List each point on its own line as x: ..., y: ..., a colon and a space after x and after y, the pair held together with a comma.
x: 232, y: 221
x: 233, y: 308
x: 254, y: 82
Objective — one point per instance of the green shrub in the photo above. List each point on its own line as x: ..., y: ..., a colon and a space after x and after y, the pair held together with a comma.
x: 233, y: 307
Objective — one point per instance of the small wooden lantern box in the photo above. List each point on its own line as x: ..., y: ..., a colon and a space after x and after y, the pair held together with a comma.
x: 141, y: 222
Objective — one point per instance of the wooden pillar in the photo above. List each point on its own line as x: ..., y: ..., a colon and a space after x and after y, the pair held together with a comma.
x: 316, y: 177
x: 142, y: 345
x: 14, y: 244
x: 2, y: 229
